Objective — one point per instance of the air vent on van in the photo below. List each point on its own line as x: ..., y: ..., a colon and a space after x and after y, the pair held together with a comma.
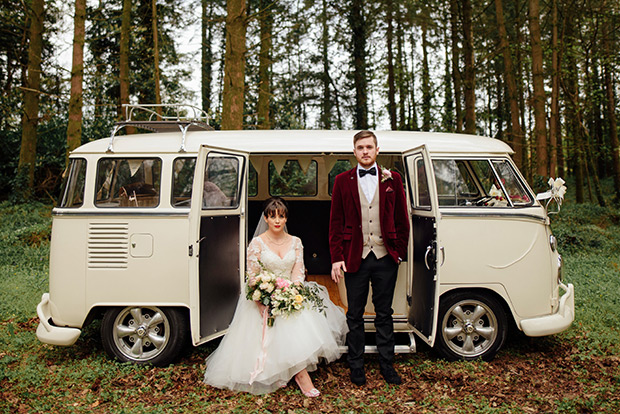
x: 108, y: 245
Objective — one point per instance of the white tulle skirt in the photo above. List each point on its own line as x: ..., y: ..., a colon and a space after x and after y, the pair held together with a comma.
x: 294, y: 342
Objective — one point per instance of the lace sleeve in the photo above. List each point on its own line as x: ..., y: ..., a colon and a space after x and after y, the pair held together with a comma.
x: 253, y: 267
x: 299, y: 271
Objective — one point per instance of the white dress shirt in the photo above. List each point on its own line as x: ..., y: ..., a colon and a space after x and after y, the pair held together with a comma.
x: 368, y: 182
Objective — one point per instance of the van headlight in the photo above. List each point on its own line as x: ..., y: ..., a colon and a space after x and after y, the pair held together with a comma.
x: 553, y: 242
x: 560, y: 269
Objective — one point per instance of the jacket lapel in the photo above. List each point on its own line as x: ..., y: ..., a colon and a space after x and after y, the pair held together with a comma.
x: 382, y: 192
x: 354, y: 191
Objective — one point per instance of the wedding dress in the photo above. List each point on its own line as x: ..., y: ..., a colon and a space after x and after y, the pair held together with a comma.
x: 247, y: 361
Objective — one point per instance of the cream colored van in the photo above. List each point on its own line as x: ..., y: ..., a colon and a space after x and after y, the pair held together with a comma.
x: 151, y: 235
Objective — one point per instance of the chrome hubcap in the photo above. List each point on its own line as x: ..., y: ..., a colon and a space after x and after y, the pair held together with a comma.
x: 141, y: 333
x: 469, y: 328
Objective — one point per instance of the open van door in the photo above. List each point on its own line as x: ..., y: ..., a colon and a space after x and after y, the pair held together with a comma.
x: 217, y: 240
x: 423, y: 294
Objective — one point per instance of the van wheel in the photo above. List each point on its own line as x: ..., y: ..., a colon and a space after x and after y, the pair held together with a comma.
x: 146, y: 334
x: 471, y: 326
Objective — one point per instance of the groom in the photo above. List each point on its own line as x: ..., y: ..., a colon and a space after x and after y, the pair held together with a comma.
x: 368, y: 236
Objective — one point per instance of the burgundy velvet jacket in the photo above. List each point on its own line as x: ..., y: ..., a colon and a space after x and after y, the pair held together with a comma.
x: 345, y: 224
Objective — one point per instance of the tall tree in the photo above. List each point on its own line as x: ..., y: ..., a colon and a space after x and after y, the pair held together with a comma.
x: 74, y: 127
x: 358, y: 28
x: 554, y: 120
x: 469, y: 82
x: 234, y: 65
x: 611, y: 110
x: 124, y: 60
x: 456, y: 71
x: 30, y: 116
x: 206, y: 48
x: 540, y: 127
x: 516, y: 132
x: 265, y: 18
x: 390, y: 64
x: 426, y: 77
x: 326, y: 104
x: 156, y: 75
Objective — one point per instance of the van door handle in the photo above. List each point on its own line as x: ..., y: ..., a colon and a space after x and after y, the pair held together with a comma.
x: 443, y: 255
x: 429, y: 248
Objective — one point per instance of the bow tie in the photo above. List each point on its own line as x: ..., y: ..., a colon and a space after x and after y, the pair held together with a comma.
x: 372, y: 171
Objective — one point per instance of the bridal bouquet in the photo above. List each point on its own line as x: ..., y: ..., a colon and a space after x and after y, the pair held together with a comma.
x: 280, y: 295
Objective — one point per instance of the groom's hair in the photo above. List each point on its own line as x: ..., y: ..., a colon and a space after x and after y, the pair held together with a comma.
x: 364, y: 134
x: 274, y: 205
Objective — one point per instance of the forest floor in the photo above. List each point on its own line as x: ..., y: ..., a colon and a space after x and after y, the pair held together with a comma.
x: 576, y: 371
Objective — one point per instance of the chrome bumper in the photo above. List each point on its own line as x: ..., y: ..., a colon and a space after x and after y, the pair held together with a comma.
x: 558, y: 322
x: 50, y: 334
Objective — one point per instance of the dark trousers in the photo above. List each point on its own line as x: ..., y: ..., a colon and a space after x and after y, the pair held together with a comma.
x: 381, y: 273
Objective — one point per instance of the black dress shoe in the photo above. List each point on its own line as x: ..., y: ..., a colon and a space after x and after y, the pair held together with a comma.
x: 390, y: 375
x: 358, y: 376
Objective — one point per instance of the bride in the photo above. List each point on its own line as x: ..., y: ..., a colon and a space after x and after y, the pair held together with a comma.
x: 258, y: 358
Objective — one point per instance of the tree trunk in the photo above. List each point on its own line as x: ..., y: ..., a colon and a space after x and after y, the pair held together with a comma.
x: 469, y: 82
x: 426, y: 78
x: 390, y: 67
x: 400, y: 76
x: 516, y: 132
x: 156, y: 56
x: 326, y: 107
x: 265, y: 18
x: 358, y: 28
x: 206, y: 70
x: 234, y: 65
x: 456, y: 72
x: 540, y: 128
x: 611, y: 114
x: 124, y: 62
x: 554, y: 122
x: 74, y: 127
x: 30, y: 118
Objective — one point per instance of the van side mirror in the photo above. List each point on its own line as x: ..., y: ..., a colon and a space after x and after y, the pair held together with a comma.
x: 555, y: 193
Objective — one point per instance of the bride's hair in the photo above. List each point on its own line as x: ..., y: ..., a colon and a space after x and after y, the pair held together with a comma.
x: 274, y: 205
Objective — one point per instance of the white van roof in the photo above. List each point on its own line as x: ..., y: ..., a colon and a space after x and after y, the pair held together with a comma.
x: 296, y: 141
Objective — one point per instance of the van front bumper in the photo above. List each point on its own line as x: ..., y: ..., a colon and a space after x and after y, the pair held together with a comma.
x: 49, y: 334
x: 558, y: 322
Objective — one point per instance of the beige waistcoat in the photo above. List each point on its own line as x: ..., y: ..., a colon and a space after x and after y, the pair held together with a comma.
x: 371, y: 225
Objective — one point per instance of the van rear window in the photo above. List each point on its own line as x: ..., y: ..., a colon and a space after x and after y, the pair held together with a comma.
x: 128, y: 182
x: 293, y: 180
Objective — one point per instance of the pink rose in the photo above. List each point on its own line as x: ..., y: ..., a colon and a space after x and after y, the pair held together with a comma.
x: 282, y: 283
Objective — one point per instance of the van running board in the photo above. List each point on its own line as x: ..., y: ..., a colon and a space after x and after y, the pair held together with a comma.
x: 398, y: 348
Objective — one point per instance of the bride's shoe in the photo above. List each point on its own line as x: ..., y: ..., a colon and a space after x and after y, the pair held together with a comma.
x: 312, y: 393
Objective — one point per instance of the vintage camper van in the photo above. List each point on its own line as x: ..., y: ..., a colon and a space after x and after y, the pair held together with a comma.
x: 151, y: 234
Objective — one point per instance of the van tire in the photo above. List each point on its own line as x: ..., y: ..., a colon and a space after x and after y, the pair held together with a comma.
x: 144, y: 334
x: 471, y: 325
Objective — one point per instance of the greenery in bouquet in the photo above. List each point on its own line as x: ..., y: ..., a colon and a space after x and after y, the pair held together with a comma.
x: 281, y: 295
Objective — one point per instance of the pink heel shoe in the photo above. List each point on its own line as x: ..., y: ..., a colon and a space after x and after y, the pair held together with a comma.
x: 311, y: 393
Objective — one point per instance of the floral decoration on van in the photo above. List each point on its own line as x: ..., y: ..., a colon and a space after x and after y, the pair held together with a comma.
x: 556, y: 192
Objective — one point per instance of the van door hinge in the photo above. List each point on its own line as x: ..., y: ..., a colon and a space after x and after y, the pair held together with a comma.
x: 191, y: 250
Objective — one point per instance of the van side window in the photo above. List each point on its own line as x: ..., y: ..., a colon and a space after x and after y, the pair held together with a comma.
x: 516, y: 191
x: 182, y: 180
x: 221, y: 182
x: 423, y: 199
x: 478, y: 183
x: 292, y: 180
x: 72, y: 192
x: 128, y: 182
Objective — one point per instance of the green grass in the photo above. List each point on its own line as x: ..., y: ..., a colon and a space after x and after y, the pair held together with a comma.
x: 576, y: 371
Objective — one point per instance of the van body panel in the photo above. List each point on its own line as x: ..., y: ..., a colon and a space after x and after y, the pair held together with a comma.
x: 521, y: 265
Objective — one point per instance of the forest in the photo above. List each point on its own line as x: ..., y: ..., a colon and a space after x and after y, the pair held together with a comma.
x: 540, y: 75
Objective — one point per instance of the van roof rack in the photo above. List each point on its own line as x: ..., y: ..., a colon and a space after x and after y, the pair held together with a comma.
x: 163, y: 118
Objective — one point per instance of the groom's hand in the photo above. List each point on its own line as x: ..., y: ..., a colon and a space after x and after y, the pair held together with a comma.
x: 338, y: 269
